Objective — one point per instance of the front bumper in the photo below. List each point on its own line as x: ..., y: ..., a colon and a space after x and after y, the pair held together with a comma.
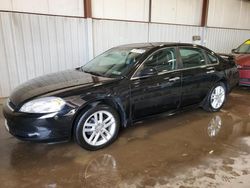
x: 51, y: 127
x: 244, y: 77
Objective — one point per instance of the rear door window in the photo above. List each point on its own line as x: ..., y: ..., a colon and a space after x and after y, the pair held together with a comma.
x: 192, y: 57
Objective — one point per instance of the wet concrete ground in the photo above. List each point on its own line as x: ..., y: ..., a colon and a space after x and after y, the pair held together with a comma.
x: 191, y: 149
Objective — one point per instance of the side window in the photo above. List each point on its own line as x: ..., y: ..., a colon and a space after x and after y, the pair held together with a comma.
x: 212, y: 59
x: 192, y: 57
x: 161, y: 61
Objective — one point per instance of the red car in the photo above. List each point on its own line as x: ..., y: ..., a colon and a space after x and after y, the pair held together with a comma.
x: 242, y: 56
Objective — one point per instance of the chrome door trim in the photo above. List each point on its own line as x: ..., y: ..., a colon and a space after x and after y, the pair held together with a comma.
x: 162, y: 73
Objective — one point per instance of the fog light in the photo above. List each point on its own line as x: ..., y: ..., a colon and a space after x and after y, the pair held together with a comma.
x: 6, y: 126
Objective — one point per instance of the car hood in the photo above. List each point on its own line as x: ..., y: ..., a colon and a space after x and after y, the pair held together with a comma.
x: 53, y: 82
x: 243, y: 59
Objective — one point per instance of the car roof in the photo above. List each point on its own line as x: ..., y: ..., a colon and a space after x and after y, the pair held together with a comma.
x: 156, y: 44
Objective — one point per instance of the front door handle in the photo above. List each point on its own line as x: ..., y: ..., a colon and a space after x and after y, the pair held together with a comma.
x: 174, y: 79
x: 210, y: 68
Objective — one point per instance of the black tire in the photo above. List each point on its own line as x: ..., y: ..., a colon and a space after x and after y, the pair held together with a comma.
x: 207, y: 104
x: 83, y: 117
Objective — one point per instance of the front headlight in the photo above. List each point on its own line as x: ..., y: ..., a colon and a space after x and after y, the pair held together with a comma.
x: 43, y: 105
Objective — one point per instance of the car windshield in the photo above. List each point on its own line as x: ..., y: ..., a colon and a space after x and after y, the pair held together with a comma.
x: 244, y: 48
x: 115, y: 62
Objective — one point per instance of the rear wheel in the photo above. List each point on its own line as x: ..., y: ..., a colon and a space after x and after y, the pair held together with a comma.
x: 97, y: 128
x: 216, y: 98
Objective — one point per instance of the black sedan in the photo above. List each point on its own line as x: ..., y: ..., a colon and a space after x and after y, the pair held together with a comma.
x: 121, y: 86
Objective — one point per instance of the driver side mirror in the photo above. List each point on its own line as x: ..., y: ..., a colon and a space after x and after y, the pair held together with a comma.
x: 149, y: 71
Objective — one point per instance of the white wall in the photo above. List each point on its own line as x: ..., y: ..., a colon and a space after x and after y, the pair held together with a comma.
x: 173, y: 33
x: 55, y: 7
x: 177, y: 11
x: 229, y: 14
x: 34, y: 45
x: 137, y: 10
x: 224, y: 40
x: 107, y: 34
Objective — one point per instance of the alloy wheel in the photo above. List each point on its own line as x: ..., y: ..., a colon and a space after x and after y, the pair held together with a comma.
x: 99, y: 128
x: 218, y: 97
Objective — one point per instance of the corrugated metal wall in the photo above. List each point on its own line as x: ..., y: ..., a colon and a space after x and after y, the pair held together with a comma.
x: 224, y: 40
x: 107, y: 34
x: 55, y: 7
x: 173, y: 33
x: 136, y: 10
x: 229, y: 14
x: 33, y: 45
x: 177, y: 12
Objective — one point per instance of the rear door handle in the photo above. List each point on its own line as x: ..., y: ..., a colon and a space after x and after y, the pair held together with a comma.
x: 174, y: 79
x: 210, y: 72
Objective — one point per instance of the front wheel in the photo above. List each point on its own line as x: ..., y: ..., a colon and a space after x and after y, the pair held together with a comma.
x: 216, y: 98
x: 97, y: 128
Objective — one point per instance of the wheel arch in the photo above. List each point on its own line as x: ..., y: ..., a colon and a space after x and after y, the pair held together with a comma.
x: 225, y: 82
x: 105, y: 101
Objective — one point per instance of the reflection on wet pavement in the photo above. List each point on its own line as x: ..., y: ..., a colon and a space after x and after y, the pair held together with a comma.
x: 190, y: 149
